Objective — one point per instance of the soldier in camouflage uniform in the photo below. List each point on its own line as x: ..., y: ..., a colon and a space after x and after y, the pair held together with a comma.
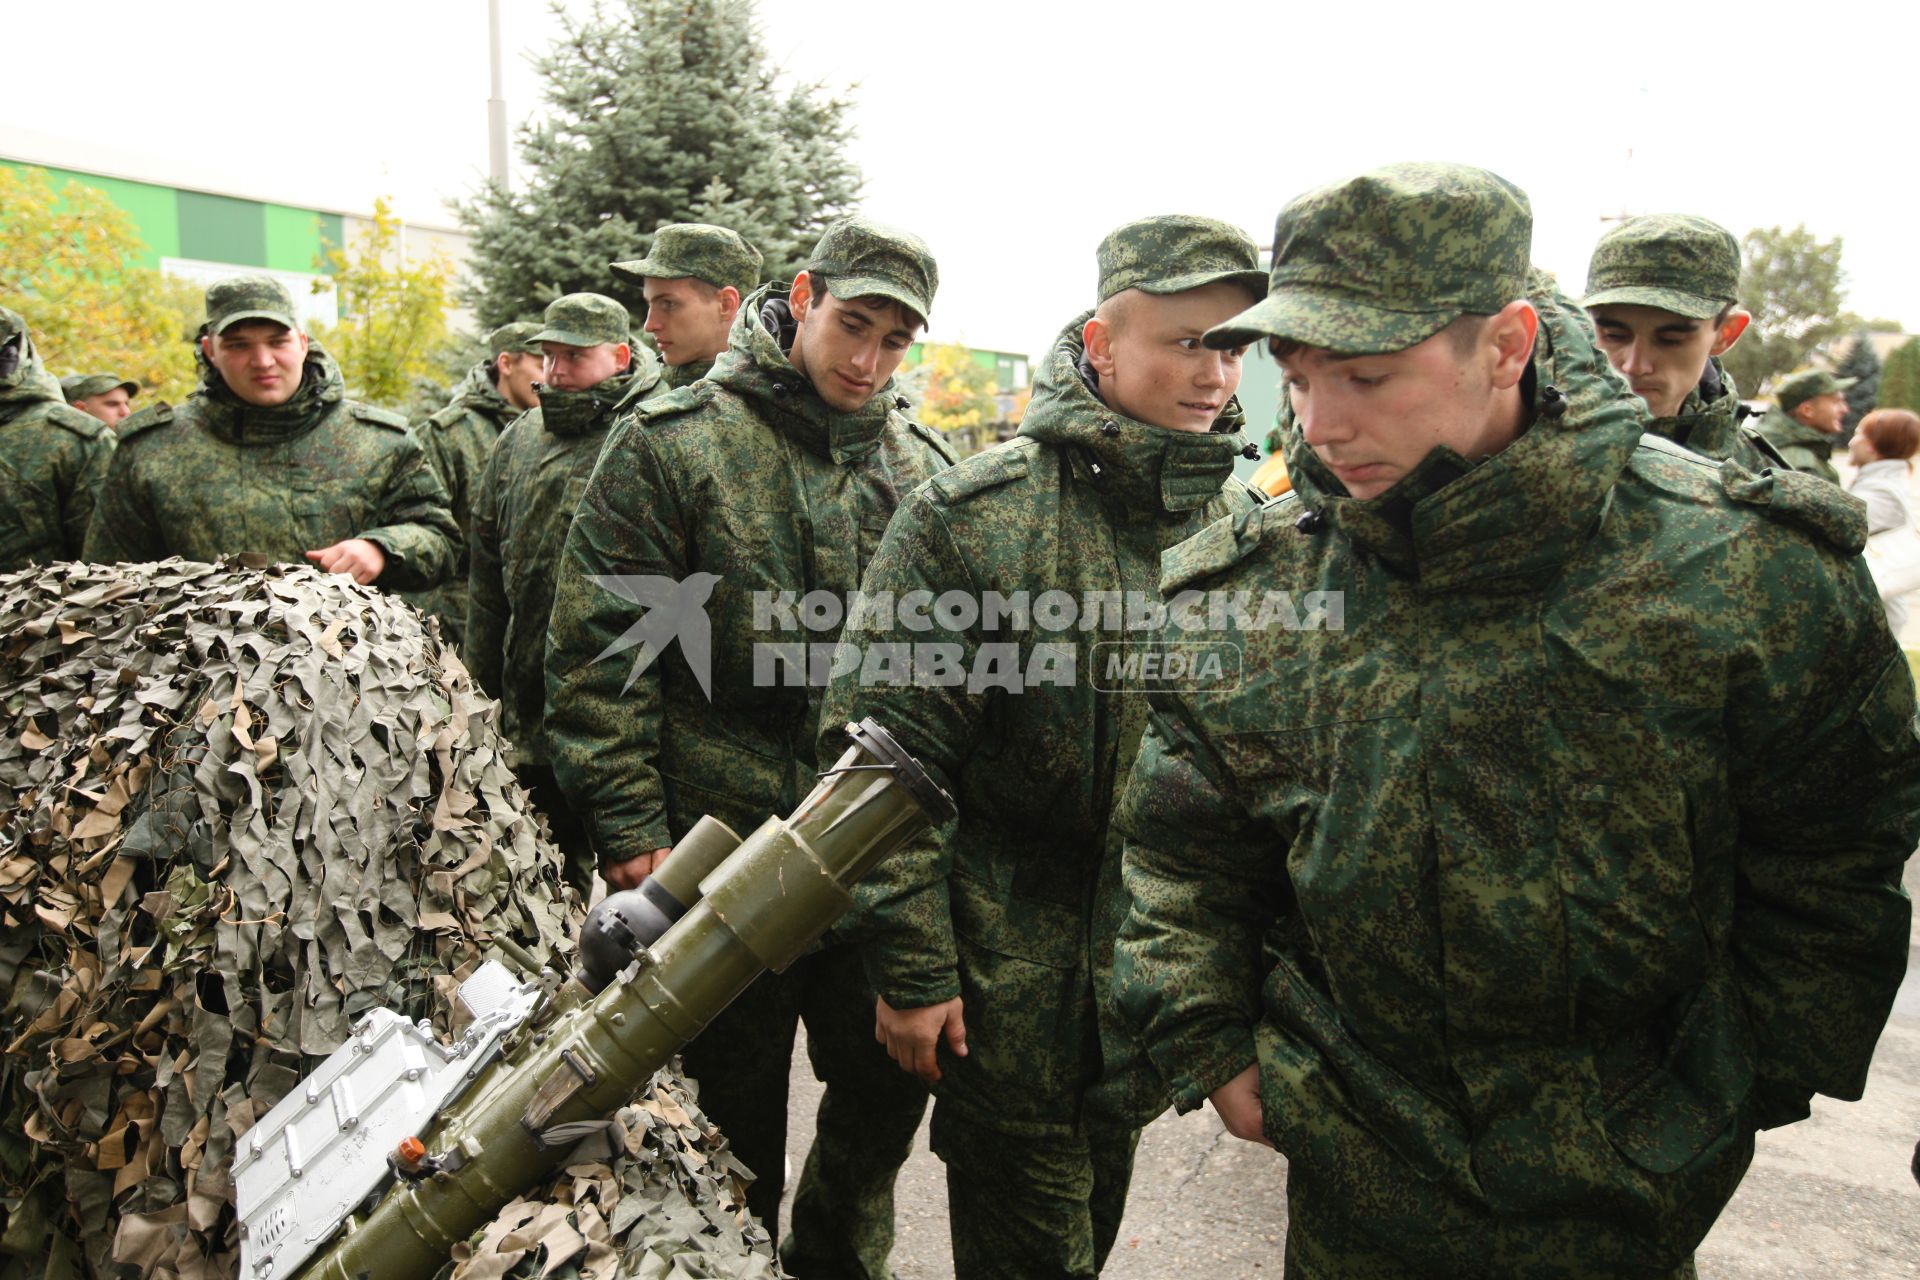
x: 268, y: 456
x: 1660, y: 291
x: 989, y: 943
x: 106, y: 396
x: 526, y: 499
x: 1510, y: 908
x: 694, y: 278
x: 52, y: 458
x: 777, y: 473
x: 1804, y: 424
x: 458, y: 439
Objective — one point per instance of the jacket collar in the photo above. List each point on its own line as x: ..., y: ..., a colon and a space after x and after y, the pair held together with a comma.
x: 1515, y: 518
x: 1137, y: 469
x: 232, y: 419
x: 755, y: 368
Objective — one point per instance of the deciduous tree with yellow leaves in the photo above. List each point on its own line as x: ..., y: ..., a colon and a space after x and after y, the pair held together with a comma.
x: 956, y: 392
x: 393, y: 305
x: 70, y: 264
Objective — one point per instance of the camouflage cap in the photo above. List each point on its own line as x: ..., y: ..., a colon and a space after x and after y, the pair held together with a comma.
x: 78, y: 386
x: 1673, y: 261
x: 517, y: 336
x: 238, y: 299
x: 1176, y: 252
x: 865, y: 259
x: 1388, y: 259
x: 714, y: 254
x: 1805, y: 385
x: 585, y: 320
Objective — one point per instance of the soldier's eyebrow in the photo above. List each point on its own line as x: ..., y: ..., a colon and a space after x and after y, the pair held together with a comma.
x: 1683, y: 325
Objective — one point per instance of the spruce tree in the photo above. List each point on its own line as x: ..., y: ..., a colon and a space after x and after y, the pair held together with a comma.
x: 1900, y: 379
x: 1861, y: 364
x: 659, y: 111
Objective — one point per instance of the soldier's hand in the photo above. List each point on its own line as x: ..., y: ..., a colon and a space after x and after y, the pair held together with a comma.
x: 629, y: 874
x: 912, y: 1036
x: 1238, y: 1103
x: 356, y: 556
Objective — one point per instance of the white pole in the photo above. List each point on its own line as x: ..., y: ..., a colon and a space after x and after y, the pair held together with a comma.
x: 496, y: 104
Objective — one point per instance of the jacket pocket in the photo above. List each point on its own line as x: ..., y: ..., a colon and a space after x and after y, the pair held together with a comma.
x: 1672, y: 1092
x: 1024, y: 989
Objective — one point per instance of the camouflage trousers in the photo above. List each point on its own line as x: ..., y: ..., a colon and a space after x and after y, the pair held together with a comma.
x: 1325, y: 1244
x: 841, y: 1219
x: 569, y: 832
x: 1031, y: 1202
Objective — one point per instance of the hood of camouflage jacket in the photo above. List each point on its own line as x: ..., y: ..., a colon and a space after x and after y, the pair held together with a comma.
x: 685, y: 375
x: 755, y: 367
x: 1709, y: 419
x: 479, y: 393
x: 579, y: 413
x: 30, y: 384
x: 1519, y: 514
x: 232, y: 419
x: 1137, y: 469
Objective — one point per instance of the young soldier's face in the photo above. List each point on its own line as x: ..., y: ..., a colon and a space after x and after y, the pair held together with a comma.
x: 1151, y: 362
x: 1826, y: 413
x: 848, y: 348
x: 110, y: 406
x: 689, y: 318
x: 570, y: 368
x: 1371, y: 419
x: 1662, y: 354
x: 261, y: 362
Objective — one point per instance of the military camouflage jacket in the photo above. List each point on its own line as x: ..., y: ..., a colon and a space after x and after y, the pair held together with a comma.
x: 457, y: 440
x: 52, y: 460
x: 525, y: 502
x: 675, y: 376
x: 743, y: 485
x: 1802, y: 447
x: 1015, y: 907
x: 218, y: 476
x: 1568, y: 859
x: 1709, y: 424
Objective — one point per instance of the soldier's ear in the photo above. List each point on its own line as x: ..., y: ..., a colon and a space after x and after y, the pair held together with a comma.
x: 1509, y: 335
x: 1098, y: 339
x: 1730, y: 330
x: 729, y: 302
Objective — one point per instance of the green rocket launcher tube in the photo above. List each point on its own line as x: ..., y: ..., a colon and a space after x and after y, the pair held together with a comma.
x: 760, y: 909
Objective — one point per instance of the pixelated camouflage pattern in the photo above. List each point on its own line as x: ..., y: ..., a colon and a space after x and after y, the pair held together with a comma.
x: 241, y: 298
x: 1019, y: 1209
x: 1569, y: 861
x: 517, y: 337
x: 585, y: 320
x: 1014, y: 907
x: 697, y: 249
x: 862, y: 258
x: 53, y: 459
x: 1804, y: 448
x: 457, y: 439
x: 676, y: 376
x: 1709, y: 423
x: 750, y: 476
x: 523, y: 505
x: 1390, y: 258
x: 78, y: 386
x: 218, y: 476
x: 1792, y: 392
x: 1174, y: 252
x: 1673, y: 261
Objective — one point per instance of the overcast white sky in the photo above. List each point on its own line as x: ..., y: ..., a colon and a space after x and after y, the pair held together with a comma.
x: 1012, y: 135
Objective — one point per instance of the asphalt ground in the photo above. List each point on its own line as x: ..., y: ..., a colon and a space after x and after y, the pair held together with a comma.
x: 1829, y: 1197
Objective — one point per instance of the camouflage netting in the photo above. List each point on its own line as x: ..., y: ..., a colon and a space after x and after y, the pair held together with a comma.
x: 241, y: 807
